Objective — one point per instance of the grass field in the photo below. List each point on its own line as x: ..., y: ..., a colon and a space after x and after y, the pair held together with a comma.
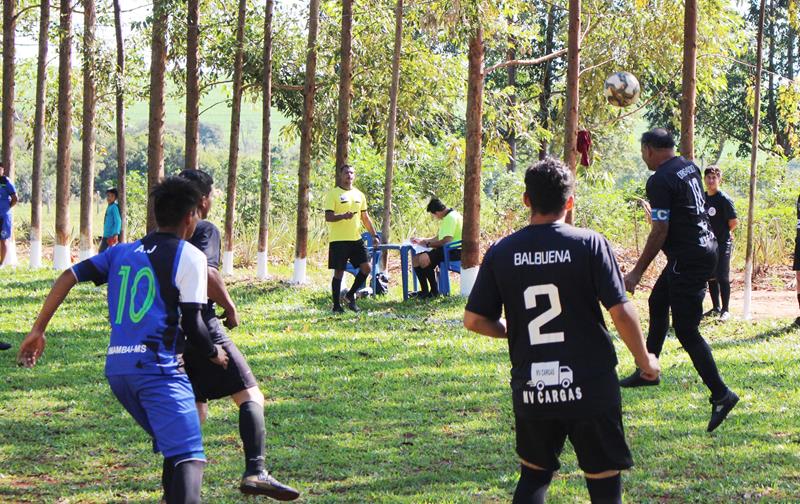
x: 398, y: 404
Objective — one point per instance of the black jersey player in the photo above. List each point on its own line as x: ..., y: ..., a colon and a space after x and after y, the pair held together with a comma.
x: 550, y: 278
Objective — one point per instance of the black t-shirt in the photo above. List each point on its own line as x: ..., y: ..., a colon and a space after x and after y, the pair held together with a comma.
x: 798, y: 217
x: 676, y: 196
x: 549, y: 279
x: 720, y: 210
x: 207, y: 238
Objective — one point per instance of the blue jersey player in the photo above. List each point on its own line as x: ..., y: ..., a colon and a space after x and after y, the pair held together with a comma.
x: 152, y: 284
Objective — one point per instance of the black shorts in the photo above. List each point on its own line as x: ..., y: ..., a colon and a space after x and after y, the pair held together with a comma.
x: 437, y: 255
x: 339, y: 252
x: 796, y: 266
x: 211, y: 381
x: 599, y: 441
x: 722, y: 273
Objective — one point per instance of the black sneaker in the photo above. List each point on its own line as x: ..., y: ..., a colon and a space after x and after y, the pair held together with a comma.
x: 721, y: 408
x: 713, y: 312
x: 636, y: 380
x: 351, y: 303
x: 338, y: 309
x: 4, y: 345
x: 264, y: 483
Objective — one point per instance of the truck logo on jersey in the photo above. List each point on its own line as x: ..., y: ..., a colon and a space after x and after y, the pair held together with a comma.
x: 551, y: 374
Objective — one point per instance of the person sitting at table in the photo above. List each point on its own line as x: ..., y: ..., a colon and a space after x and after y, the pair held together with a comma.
x: 425, y: 263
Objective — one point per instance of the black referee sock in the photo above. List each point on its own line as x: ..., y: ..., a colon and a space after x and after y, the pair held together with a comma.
x: 713, y: 289
x: 336, y: 291
x: 253, y: 434
x: 358, y: 283
x: 430, y: 272
x: 532, y: 486
x: 725, y: 291
x: 186, y: 482
x: 605, y: 490
x: 423, y: 279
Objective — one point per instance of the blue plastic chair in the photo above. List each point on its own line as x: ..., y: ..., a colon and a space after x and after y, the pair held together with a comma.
x: 448, y: 265
x: 374, y: 256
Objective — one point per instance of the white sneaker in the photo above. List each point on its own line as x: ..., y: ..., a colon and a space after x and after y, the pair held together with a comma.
x: 724, y: 316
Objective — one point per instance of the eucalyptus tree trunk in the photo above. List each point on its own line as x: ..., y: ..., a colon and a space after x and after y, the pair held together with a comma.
x: 86, y: 248
x: 573, y: 95
x: 511, y: 136
x: 155, y: 132
x: 122, y: 198
x: 9, y: 50
x: 391, y: 125
x: 748, y: 264
x: 790, y: 53
x: 38, y: 138
x: 470, y: 257
x: 192, y: 86
x: 547, y: 80
x: 61, y: 252
x: 306, y: 130
x: 689, y: 84
x: 345, y: 87
x: 266, y: 103
x: 233, y: 154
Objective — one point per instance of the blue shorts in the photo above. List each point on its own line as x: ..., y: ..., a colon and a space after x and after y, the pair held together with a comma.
x: 5, y: 226
x: 164, y: 406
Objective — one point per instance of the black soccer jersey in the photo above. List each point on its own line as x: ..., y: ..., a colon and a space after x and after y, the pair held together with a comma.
x: 206, y: 237
x: 676, y: 196
x: 720, y: 210
x: 550, y: 279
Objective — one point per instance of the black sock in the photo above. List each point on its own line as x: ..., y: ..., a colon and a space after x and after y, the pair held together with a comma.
x: 167, y: 471
x: 430, y: 272
x: 253, y: 433
x: 358, y: 283
x: 186, y: 482
x: 713, y: 289
x: 605, y: 490
x: 706, y: 367
x: 336, y: 291
x: 423, y: 279
x: 725, y: 291
x: 532, y: 486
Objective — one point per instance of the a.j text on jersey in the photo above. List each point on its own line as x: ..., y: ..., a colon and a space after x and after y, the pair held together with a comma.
x: 551, y: 279
x: 147, y: 280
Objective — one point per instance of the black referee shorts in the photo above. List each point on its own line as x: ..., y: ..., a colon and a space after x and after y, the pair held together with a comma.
x: 211, y: 381
x: 340, y: 252
x: 437, y: 255
x: 598, y: 440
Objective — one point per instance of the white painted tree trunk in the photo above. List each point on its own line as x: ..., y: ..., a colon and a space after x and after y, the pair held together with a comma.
x: 262, y: 268
x: 227, y: 262
x: 11, y: 251
x: 748, y: 290
x: 85, y: 254
x: 61, y: 257
x: 468, y: 277
x: 36, y: 254
x: 299, y: 274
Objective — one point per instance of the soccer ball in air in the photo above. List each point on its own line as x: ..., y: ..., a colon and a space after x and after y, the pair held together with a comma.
x: 622, y: 89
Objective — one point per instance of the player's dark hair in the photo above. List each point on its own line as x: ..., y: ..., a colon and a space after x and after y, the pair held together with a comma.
x: 658, y: 138
x: 713, y: 169
x: 548, y: 184
x: 344, y: 167
x: 201, y: 179
x: 436, y: 205
x: 173, y: 198
x: 113, y: 191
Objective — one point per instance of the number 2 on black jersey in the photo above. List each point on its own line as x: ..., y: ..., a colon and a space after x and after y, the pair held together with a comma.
x: 535, y: 325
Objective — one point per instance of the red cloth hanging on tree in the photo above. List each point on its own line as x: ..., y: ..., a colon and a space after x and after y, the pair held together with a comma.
x: 583, y: 145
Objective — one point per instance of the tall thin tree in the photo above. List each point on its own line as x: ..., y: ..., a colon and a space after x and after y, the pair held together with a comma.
x: 547, y: 80
x: 38, y: 138
x: 119, y: 88
x: 573, y: 91
x: 306, y: 132
x: 391, y: 124
x: 511, y: 134
x: 689, y: 85
x: 748, y: 262
x: 61, y: 252
x: 86, y: 247
x: 155, y: 135
x: 9, y: 51
x: 233, y: 149
x: 266, y: 104
x: 192, y: 86
x: 345, y: 86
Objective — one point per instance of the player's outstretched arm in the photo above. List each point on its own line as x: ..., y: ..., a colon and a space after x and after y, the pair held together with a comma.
x: 626, y: 320
x: 218, y: 293
x: 484, y: 325
x: 32, y: 346
x: 655, y: 240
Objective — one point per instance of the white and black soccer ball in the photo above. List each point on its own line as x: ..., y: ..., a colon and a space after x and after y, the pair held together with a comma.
x: 622, y: 89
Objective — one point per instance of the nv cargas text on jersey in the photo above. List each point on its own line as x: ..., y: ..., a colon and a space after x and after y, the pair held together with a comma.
x: 541, y: 257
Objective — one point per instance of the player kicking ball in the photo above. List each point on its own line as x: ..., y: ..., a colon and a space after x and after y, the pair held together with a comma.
x: 151, y: 284
x: 550, y: 279
x: 236, y: 380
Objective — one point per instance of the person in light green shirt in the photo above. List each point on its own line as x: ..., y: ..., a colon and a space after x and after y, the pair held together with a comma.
x: 425, y: 263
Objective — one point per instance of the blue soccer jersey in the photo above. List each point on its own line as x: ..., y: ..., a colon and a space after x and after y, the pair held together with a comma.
x: 147, y: 280
x: 7, y: 190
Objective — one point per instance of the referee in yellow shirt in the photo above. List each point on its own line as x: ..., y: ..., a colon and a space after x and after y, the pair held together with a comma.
x: 343, y: 204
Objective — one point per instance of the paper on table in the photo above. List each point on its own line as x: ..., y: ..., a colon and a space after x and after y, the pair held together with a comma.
x: 416, y: 246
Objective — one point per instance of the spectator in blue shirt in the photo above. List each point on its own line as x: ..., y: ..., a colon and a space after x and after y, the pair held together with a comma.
x: 112, y: 224
x: 8, y: 198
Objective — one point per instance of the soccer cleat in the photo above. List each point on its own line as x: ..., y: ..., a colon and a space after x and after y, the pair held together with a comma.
x: 636, y: 380
x: 720, y: 409
x: 338, y: 309
x: 4, y: 345
x: 264, y: 483
x: 797, y: 321
x: 713, y: 312
x: 724, y: 316
x: 351, y: 303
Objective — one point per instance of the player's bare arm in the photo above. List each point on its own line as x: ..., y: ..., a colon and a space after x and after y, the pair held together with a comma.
x: 484, y: 325
x: 365, y: 219
x: 32, y: 346
x: 626, y: 320
x: 733, y: 224
x: 197, y: 333
x: 330, y: 216
x: 655, y: 240
x: 14, y: 201
x: 218, y: 293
